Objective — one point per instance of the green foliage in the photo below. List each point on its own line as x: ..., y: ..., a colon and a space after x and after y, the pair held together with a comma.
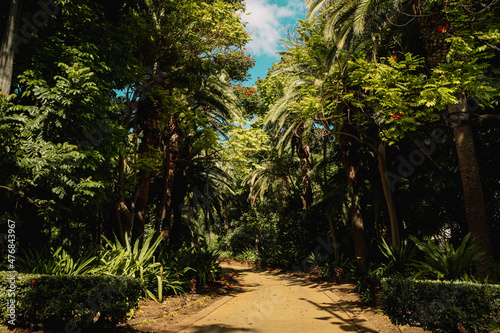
x: 61, y: 302
x: 447, y: 264
x: 393, y: 94
x: 366, y: 286
x: 58, y: 262
x: 159, y: 276
x: 441, y: 306
x: 202, y: 261
x: 398, y: 261
x: 248, y: 255
x: 139, y: 261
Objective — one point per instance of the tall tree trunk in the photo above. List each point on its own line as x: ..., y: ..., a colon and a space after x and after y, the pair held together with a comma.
x: 8, y: 47
x: 123, y: 226
x: 333, y: 234
x: 177, y: 231
x: 391, y: 207
x: 226, y: 220
x: 149, y: 117
x: 322, y: 184
x: 166, y: 196
x: 253, y: 198
x: 358, y: 230
x: 170, y: 171
x: 141, y: 205
x: 475, y: 206
x: 303, y: 154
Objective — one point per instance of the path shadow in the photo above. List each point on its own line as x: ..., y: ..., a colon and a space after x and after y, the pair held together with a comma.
x: 217, y: 328
x: 343, y: 324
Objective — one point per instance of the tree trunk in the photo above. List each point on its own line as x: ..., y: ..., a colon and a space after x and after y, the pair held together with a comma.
x: 170, y: 171
x: 226, y: 221
x: 333, y: 234
x: 475, y: 206
x: 358, y: 232
x: 8, y: 47
x: 303, y: 153
x: 391, y: 207
x: 256, y: 237
x: 177, y: 231
x: 124, y: 227
x: 141, y: 205
x: 322, y: 184
x: 253, y: 197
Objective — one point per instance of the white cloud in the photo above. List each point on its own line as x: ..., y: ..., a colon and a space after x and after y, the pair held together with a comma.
x: 267, y: 22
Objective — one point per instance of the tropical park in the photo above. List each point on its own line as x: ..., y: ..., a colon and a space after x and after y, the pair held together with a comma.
x: 144, y: 178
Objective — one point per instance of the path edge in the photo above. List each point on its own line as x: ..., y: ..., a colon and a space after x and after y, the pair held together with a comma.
x: 357, y: 319
x: 190, y: 321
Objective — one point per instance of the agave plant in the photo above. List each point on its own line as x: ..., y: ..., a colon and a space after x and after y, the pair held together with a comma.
x: 399, y: 259
x: 135, y: 261
x: 58, y: 262
x: 449, y: 264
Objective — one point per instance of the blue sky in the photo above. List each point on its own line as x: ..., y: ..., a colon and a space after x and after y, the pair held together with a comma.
x: 267, y: 23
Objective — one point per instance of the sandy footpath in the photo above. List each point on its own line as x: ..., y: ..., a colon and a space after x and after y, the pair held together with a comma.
x: 270, y: 302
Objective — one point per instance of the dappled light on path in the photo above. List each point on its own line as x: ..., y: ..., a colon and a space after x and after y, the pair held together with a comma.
x: 270, y: 302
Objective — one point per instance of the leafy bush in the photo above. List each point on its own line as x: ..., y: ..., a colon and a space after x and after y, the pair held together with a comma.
x: 366, y: 286
x: 442, y: 306
x: 248, y: 254
x: 202, y: 262
x: 449, y: 264
x: 70, y: 302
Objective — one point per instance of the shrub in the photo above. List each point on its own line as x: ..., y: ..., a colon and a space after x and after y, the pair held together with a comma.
x: 449, y: 264
x: 70, y: 303
x: 202, y: 262
x: 398, y: 261
x: 442, y: 306
x: 137, y: 260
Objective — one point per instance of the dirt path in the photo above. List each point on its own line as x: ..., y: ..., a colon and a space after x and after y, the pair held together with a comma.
x: 271, y: 302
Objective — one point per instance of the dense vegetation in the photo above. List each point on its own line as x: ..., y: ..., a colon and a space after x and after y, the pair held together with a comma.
x: 129, y: 145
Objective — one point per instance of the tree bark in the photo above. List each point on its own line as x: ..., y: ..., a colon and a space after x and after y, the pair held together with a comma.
x: 226, y: 221
x: 124, y: 227
x: 391, y: 207
x: 475, y: 206
x: 141, y: 205
x: 253, y: 197
x: 333, y: 234
x: 303, y: 153
x: 357, y: 225
x: 170, y: 171
x: 8, y: 47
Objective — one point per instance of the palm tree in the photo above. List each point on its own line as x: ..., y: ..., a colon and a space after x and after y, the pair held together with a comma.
x: 295, y: 130
x: 183, y: 85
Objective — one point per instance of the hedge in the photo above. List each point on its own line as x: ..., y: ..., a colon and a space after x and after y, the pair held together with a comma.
x: 68, y: 303
x: 442, y: 306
